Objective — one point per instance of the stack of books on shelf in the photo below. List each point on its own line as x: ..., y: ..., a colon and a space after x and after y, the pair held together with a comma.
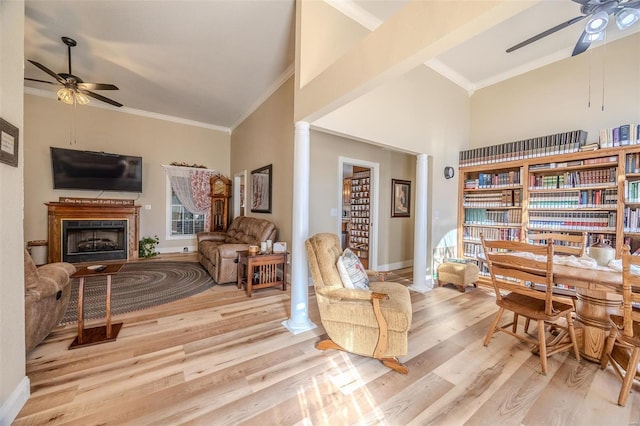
x: 632, y: 163
x: 492, y: 217
x: 598, y: 177
x: 579, y: 199
x: 631, y: 220
x: 632, y: 191
x: 494, y: 180
x: 626, y: 134
x: 576, y: 221
x: 507, y: 234
x: 559, y: 143
x: 504, y: 198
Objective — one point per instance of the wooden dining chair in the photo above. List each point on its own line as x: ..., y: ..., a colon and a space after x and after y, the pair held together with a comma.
x: 623, y: 344
x: 514, y: 266
x: 563, y: 244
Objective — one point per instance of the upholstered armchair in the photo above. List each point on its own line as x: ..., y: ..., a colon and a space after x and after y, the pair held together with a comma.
x: 218, y: 251
x: 46, y: 296
x: 373, y: 323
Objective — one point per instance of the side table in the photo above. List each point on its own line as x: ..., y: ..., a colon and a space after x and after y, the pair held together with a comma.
x: 262, y: 270
x: 100, y: 334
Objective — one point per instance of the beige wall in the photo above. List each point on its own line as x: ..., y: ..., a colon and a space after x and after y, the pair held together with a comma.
x: 395, y: 235
x: 555, y: 98
x: 266, y: 137
x: 48, y: 123
x: 14, y: 385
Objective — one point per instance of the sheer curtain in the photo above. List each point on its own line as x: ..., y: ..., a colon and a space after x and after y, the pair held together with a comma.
x: 192, y: 186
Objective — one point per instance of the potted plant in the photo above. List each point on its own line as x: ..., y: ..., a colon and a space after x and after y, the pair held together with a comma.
x: 147, y: 246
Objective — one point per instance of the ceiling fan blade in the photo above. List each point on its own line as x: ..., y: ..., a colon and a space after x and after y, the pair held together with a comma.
x: 48, y: 71
x: 97, y: 86
x: 582, y: 44
x: 547, y: 32
x: 39, y: 81
x: 100, y: 97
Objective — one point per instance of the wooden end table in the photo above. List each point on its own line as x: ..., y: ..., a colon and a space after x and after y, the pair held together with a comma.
x: 262, y: 270
x: 103, y: 333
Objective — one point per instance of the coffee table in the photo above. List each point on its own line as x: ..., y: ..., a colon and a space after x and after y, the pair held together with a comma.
x: 262, y: 270
x: 103, y: 333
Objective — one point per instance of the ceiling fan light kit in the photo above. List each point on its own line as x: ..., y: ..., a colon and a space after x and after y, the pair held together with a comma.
x: 74, y: 90
x: 597, y: 23
x: 626, y: 17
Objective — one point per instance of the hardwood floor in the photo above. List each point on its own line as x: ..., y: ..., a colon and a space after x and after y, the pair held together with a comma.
x: 220, y: 358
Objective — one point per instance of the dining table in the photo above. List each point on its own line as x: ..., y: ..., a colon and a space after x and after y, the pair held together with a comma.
x: 598, y: 292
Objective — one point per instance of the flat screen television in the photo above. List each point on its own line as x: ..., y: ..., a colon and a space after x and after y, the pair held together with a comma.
x: 74, y: 169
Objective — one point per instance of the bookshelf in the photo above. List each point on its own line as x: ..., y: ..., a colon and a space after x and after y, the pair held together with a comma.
x: 596, y: 191
x: 360, y: 219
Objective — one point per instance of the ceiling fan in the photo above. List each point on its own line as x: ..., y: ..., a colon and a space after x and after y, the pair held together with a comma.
x: 74, y: 89
x: 626, y: 13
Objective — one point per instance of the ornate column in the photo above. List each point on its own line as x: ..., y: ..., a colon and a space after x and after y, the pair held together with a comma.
x: 421, y: 283
x: 299, y: 321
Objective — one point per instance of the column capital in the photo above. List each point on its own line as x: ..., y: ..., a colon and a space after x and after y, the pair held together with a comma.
x: 302, y: 125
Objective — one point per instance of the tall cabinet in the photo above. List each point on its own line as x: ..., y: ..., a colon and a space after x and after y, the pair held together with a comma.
x: 597, y: 192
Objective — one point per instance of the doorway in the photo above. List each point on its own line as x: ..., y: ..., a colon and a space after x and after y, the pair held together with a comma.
x: 239, y: 196
x: 358, y: 221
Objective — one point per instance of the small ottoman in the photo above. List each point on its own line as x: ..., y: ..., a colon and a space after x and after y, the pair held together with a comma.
x: 458, y: 273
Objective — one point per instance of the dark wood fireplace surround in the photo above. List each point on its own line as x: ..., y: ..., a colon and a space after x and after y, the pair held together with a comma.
x: 61, y: 211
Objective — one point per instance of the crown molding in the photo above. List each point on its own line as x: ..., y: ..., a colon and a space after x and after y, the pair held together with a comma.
x: 355, y: 12
x: 450, y: 74
x: 133, y: 111
x: 286, y: 75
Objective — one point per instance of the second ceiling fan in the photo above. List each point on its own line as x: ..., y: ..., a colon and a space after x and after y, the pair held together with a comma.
x: 74, y: 89
x: 625, y: 13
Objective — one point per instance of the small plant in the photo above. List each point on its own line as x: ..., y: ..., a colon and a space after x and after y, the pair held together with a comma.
x: 147, y: 246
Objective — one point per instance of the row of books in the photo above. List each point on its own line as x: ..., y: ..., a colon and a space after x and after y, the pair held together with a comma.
x: 631, y: 220
x: 473, y: 234
x: 494, y: 180
x: 591, y: 198
x: 492, y: 217
x: 559, y: 143
x: 632, y: 163
x: 504, y: 198
x: 626, y: 134
x: 632, y: 191
x: 471, y: 250
x: 574, y: 179
x: 577, y: 221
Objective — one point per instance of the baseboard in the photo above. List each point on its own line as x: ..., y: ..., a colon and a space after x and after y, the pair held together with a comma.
x: 12, y: 406
x: 167, y: 250
x: 395, y: 265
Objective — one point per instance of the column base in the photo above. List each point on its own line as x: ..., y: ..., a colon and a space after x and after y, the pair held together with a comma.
x: 298, y: 328
x: 428, y: 286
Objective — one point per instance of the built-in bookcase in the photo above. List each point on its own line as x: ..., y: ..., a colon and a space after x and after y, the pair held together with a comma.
x: 597, y: 192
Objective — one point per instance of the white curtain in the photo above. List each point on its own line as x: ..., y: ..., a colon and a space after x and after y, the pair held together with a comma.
x: 192, y: 186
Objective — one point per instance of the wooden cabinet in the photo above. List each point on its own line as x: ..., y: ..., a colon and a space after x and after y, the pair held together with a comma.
x: 360, y: 222
x: 597, y: 192
x: 220, y: 196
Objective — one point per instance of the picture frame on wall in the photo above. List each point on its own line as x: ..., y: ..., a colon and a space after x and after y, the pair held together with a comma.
x: 8, y: 143
x: 400, y: 198
x: 261, y: 184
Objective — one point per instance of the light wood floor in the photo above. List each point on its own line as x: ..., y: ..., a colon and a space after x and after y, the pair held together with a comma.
x: 220, y: 358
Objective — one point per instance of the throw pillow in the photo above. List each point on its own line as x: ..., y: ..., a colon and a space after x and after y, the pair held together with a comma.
x: 352, y: 272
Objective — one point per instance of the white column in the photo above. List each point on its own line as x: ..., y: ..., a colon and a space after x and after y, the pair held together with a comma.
x: 421, y: 283
x: 299, y: 320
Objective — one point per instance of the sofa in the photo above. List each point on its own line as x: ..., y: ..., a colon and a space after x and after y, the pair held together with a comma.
x: 46, y: 296
x: 218, y: 251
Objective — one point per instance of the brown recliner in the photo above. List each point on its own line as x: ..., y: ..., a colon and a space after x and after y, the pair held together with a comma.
x: 218, y: 251
x: 373, y: 323
x: 46, y: 296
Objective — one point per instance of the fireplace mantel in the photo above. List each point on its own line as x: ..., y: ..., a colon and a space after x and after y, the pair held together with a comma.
x: 58, y: 212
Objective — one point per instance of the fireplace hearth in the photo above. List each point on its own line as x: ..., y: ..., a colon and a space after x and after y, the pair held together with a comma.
x: 92, y: 232
x: 94, y: 240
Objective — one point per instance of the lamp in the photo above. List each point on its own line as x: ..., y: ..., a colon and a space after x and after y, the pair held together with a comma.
x: 70, y: 96
x: 626, y: 17
x: 597, y: 23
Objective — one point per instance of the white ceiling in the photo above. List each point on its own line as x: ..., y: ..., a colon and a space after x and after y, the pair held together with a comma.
x: 214, y: 61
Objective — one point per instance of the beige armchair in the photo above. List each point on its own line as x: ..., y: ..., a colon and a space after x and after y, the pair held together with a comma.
x: 373, y: 323
x: 46, y: 294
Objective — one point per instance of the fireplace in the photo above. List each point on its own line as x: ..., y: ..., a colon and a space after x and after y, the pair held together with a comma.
x: 94, y: 240
x: 93, y: 230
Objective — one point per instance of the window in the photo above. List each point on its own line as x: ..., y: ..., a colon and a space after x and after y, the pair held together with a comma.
x: 183, y: 222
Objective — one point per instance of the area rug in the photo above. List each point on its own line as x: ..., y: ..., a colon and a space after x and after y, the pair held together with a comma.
x: 138, y: 285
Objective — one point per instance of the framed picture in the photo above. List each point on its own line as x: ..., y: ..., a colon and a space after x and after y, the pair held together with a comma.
x: 400, y: 198
x: 261, y: 189
x: 8, y: 143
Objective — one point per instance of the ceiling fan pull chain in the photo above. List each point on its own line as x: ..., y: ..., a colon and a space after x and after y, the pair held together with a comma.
x: 590, y: 78
x: 604, y: 65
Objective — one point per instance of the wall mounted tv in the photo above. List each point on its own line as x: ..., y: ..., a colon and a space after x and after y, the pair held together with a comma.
x: 73, y: 169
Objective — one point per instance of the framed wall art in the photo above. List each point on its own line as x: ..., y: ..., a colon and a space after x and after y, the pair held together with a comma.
x: 400, y: 198
x: 261, y: 189
x: 8, y: 143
